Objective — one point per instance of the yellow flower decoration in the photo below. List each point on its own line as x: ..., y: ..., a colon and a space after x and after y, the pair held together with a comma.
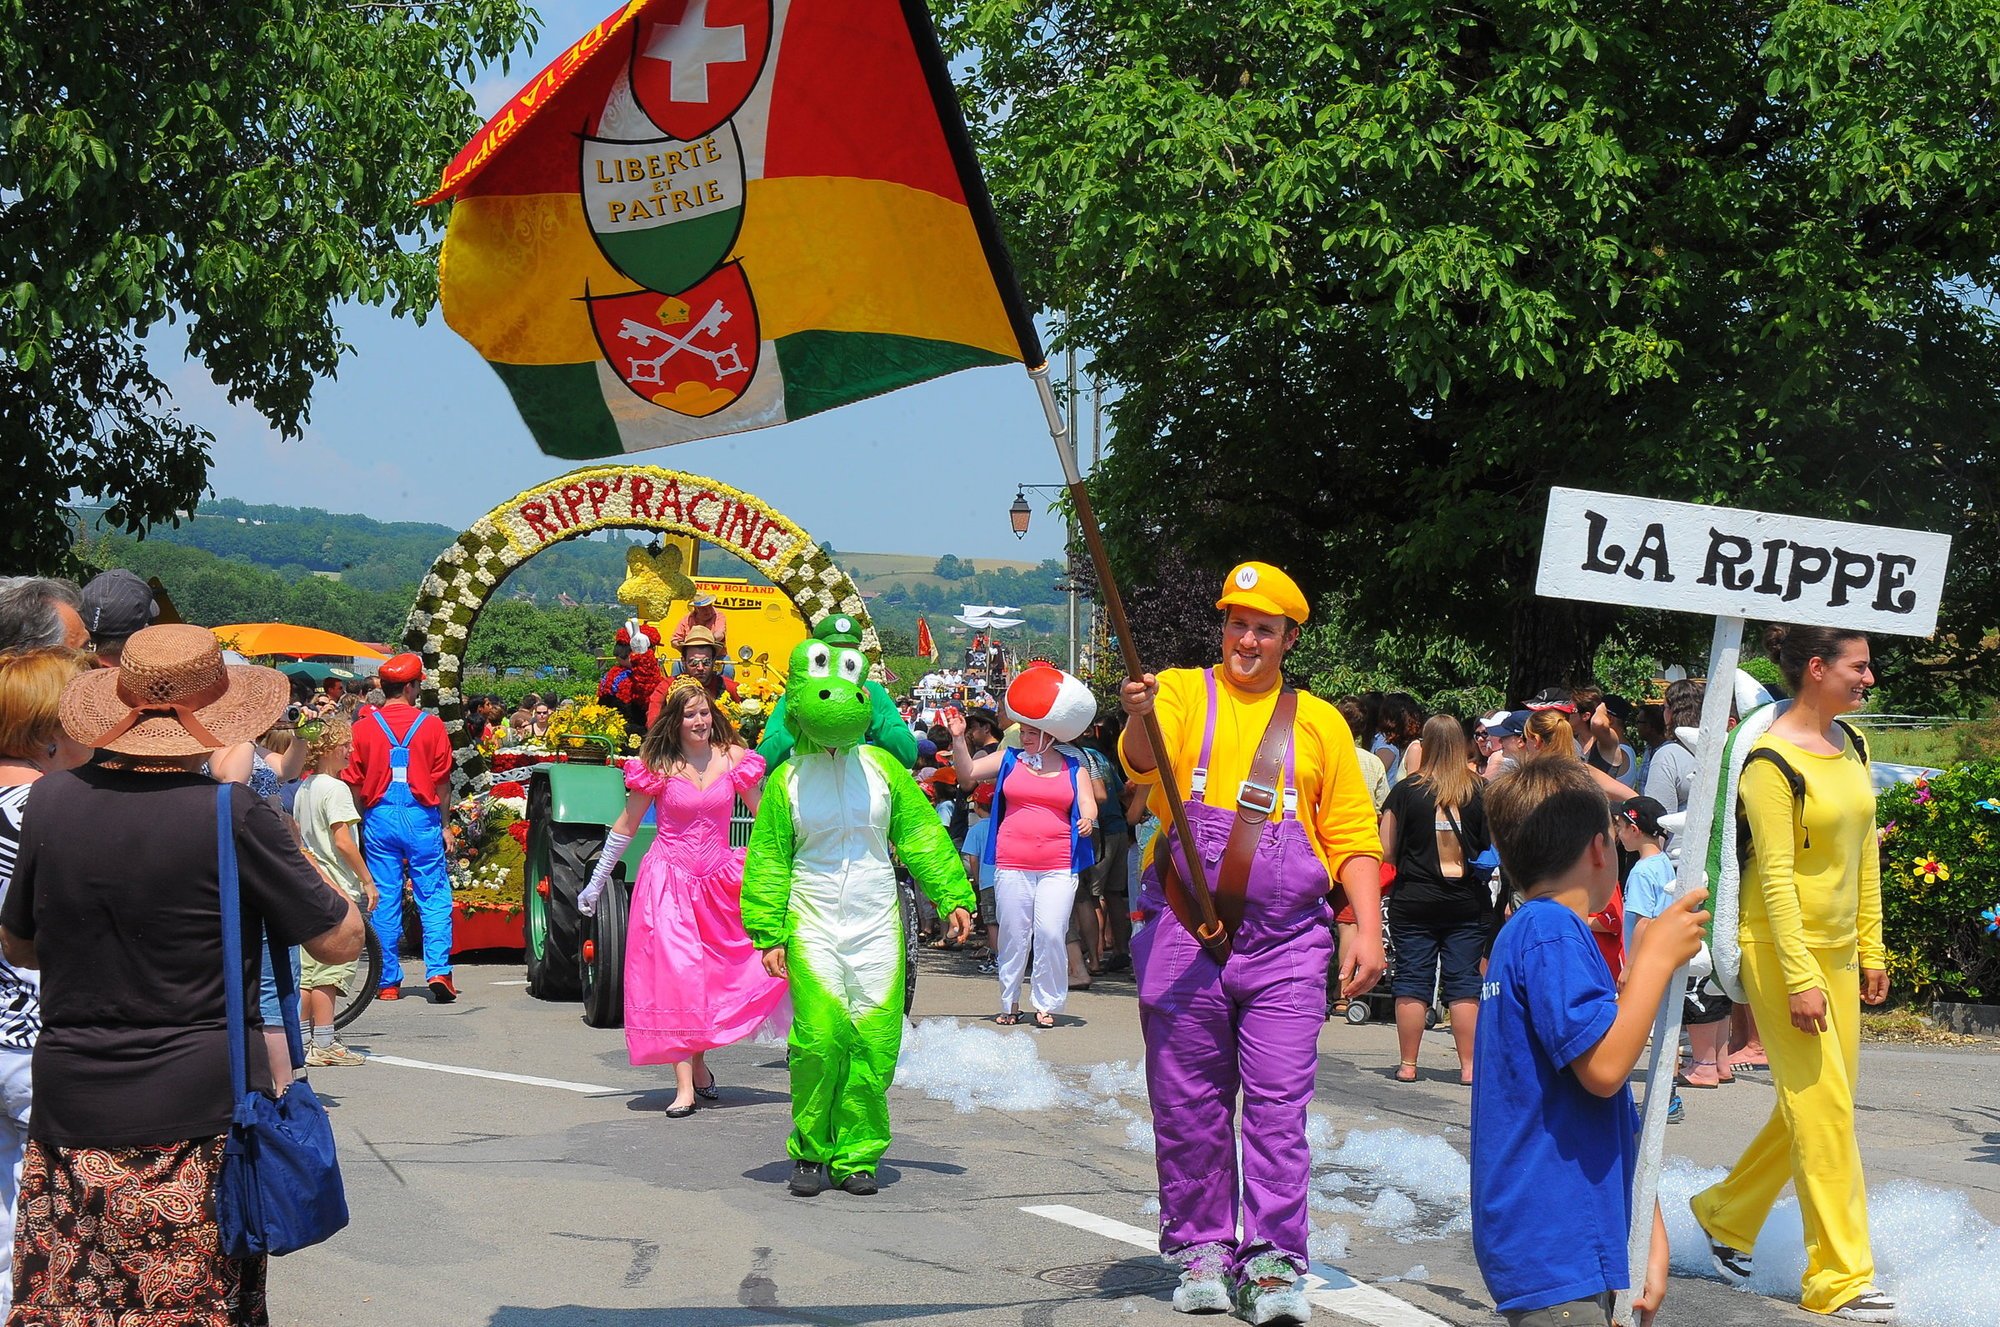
x: 1931, y: 870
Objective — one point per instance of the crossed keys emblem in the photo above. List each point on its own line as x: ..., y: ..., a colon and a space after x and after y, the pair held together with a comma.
x: 725, y: 362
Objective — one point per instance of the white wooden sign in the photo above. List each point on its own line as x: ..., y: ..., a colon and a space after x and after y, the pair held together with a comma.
x: 1631, y: 552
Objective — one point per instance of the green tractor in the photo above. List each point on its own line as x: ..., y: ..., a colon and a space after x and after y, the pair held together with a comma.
x: 570, y: 957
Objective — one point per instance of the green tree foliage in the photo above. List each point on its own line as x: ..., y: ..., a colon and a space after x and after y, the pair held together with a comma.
x: 513, y: 633
x: 210, y: 590
x: 1372, y: 277
x: 236, y: 169
x: 951, y: 567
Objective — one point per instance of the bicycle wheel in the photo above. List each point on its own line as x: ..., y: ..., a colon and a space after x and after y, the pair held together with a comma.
x: 367, y: 977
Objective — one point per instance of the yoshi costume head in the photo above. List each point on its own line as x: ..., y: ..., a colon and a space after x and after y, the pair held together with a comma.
x: 826, y: 693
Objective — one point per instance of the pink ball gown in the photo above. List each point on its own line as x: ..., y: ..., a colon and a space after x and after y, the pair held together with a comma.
x: 692, y: 979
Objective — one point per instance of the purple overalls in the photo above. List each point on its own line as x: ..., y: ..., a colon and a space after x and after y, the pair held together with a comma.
x: 1250, y: 1026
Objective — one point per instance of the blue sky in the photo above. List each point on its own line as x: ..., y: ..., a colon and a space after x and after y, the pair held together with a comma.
x: 417, y: 427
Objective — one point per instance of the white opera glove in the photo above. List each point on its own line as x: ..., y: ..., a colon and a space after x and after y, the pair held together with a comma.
x: 614, y: 848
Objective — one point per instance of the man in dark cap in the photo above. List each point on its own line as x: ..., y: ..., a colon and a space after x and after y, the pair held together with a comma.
x: 116, y: 603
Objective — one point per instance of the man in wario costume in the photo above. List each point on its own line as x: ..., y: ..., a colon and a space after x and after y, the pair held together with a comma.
x: 819, y: 899
x: 1280, y: 816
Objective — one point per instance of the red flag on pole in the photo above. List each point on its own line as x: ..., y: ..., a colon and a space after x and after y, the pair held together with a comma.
x: 926, y: 647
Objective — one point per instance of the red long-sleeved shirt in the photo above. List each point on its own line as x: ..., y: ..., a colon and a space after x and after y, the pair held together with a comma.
x: 367, y: 769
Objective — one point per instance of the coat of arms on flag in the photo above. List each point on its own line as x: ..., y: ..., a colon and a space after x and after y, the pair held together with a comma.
x: 714, y: 215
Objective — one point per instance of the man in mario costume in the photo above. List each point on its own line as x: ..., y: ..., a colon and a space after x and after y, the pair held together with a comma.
x: 1280, y: 816
x: 400, y: 772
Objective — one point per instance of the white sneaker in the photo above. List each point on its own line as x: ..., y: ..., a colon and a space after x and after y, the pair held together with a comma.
x: 1201, y: 1294
x: 1204, y: 1286
x: 333, y: 1053
x: 1273, y: 1302
x: 1871, y: 1305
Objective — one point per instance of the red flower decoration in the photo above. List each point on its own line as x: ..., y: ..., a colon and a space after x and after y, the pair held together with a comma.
x: 511, y: 788
x: 519, y: 829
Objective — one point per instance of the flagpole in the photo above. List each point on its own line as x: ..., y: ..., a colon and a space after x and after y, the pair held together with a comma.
x: 979, y: 202
x: 1209, y: 930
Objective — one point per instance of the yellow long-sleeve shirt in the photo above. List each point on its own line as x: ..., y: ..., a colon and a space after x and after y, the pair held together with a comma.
x: 1815, y: 884
x: 1334, y: 804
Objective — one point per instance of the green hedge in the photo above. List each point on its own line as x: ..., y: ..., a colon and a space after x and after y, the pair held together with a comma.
x: 1939, y: 946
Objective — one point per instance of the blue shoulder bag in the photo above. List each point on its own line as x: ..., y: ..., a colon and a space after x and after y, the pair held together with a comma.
x: 280, y: 1187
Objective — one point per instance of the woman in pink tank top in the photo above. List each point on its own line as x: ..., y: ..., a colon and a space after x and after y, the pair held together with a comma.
x: 1044, y: 812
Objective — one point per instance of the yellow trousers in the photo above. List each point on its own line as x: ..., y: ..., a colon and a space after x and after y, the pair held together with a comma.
x: 1809, y: 1138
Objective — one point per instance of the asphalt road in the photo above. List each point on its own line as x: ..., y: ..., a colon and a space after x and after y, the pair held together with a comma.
x: 573, y: 1200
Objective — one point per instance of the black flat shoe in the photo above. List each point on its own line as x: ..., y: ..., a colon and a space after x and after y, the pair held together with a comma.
x: 808, y: 1179
x: 708, y: 1093
x: 679, y: 1112
x: 861, y: 1184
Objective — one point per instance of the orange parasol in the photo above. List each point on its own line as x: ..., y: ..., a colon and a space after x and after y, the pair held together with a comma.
x: 252, y: 638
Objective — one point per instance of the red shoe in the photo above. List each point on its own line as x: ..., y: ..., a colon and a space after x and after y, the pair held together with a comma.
x: 389, y: 993
x: 442, y: 991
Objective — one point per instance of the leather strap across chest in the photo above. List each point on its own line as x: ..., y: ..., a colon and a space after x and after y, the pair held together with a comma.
x: 1256, y: 800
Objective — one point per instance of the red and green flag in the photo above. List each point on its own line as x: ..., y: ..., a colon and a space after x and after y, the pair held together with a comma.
x: 708, y: 216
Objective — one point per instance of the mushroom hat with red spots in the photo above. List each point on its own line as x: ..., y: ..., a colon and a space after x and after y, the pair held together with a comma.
x: 1051, y: 700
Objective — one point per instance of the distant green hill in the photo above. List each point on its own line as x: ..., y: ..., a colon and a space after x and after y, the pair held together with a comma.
x: 243, y: 562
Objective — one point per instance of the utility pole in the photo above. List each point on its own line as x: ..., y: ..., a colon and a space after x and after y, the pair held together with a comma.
x: 1069, y: 523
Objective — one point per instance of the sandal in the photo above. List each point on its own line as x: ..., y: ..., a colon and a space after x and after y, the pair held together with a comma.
x: 1045, y: 1020
x: 1339, y: 1009
x: 1689, y: 1080
x: 1410, y: 1066
x: 1006, y: 1020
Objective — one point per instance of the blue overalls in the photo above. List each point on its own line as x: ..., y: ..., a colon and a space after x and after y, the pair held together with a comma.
x: 400, y: 833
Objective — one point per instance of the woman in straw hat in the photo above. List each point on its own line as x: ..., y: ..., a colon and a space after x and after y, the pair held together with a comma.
x: 132, y: 1091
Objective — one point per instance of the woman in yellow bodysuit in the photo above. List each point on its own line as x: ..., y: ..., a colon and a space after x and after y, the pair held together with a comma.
x: 1811, y: 933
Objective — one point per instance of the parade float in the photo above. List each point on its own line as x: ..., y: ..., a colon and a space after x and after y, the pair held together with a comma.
x: 530, y: 814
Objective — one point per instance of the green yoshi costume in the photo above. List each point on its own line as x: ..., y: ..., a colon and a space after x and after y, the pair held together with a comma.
x: 818, y: 885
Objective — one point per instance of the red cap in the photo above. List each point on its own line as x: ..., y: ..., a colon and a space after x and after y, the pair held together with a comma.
x: 401, y: 669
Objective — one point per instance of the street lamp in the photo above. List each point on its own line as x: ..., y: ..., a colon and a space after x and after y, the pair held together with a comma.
x: 1017, y: 516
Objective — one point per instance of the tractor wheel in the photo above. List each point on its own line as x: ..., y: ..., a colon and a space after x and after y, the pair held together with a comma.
x: 907, y: 892
x: 553, y: 924
x: 603, y: 958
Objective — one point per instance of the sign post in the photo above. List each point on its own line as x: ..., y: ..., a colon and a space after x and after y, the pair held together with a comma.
x: 1638, y: 552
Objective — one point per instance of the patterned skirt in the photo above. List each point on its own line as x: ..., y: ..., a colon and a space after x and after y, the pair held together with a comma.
x: 127, y: 1238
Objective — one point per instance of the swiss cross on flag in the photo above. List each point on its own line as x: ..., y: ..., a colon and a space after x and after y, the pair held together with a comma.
x: 695, y: 61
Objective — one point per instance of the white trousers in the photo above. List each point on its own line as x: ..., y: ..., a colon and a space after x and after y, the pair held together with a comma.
x: 16, y: 1095
x: 1033, y: 907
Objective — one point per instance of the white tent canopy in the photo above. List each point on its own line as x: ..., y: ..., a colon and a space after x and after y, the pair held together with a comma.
x: 987, y: 622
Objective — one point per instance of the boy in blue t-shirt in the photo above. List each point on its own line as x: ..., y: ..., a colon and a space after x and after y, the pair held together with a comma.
x: 1554, y: 1133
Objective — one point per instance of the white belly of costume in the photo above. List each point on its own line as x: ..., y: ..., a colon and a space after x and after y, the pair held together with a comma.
x: 847, y: 923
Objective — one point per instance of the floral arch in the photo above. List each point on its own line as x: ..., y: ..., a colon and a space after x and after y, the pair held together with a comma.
x: 606, y: 497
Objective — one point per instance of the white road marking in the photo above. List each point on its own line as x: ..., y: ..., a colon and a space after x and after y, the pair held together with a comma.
x: 587, y: 1089
x: 1328, y: 1287
x: 1098, y: 1225
x: 508, y: 983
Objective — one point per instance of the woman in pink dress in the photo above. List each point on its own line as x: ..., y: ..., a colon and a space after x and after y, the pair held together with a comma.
x: 692, y: 980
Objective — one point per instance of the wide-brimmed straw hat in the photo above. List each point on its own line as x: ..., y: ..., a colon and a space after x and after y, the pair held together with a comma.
x: 172, y: 695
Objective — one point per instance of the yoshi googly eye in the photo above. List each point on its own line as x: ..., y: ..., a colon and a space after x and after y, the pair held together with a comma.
x: 819, y: 662
x: 851, y: 665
